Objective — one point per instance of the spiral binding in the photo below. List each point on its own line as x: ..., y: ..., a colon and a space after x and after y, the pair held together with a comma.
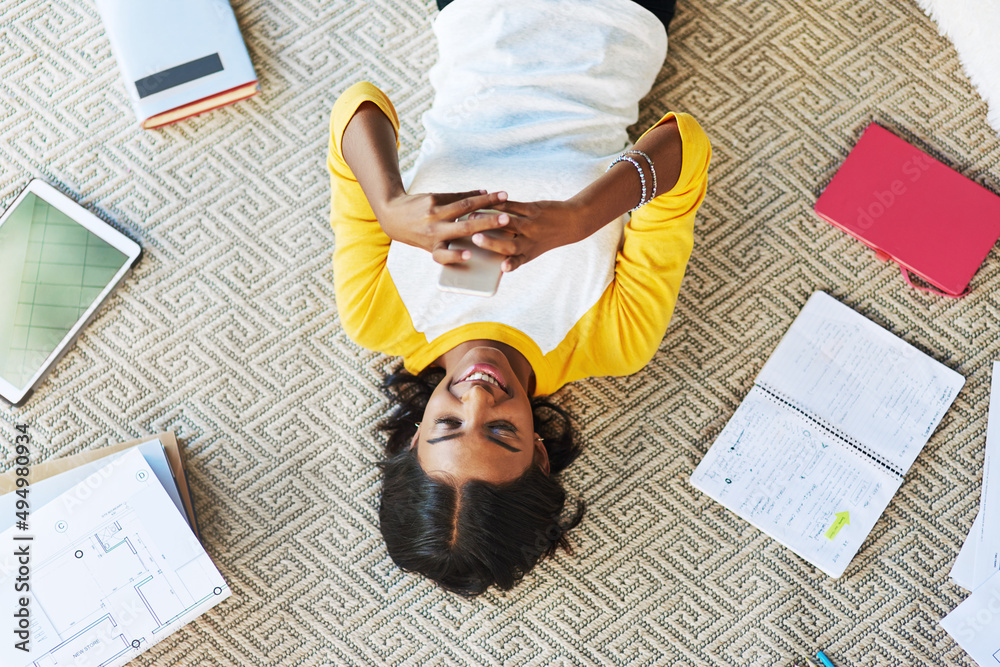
x: 833, y: 430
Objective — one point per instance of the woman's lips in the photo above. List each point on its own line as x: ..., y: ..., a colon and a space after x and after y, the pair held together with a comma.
x: 486, y: 369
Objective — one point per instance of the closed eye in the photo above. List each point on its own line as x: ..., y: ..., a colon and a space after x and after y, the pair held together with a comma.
x: 503, y: 427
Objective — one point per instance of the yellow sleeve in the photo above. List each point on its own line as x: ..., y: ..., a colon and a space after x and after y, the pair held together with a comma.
x: 623, y: 330
x: 368, y: 303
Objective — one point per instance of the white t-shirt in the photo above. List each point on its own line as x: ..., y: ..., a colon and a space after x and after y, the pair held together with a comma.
x: 532, y: 97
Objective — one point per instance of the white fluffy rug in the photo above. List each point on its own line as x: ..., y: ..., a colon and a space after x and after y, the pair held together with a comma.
x: 973, y: 26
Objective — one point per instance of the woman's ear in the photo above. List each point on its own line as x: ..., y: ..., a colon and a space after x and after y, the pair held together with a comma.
x: 541, y: 454
x: 413, y: 442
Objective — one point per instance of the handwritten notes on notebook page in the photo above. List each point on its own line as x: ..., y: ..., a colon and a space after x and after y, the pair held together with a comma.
x: 821, y: 443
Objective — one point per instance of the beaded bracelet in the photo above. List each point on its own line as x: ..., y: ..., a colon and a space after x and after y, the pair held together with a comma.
x: 642, y: 177
x: 652, y: 169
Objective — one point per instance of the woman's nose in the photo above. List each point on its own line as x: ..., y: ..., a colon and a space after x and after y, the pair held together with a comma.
x: 477, y: 393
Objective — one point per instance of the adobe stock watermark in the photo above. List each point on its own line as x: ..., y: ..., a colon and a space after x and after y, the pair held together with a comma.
x: 21, y: 555
x: 882, y: 200
x: 982, y: 620
x: 74, y: 498
x: 70, y: 502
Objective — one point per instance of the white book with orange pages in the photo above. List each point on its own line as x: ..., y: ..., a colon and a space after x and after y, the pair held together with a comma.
x: 178, y: 58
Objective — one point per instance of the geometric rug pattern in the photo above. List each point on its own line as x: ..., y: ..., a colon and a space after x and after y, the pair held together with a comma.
x: 227, y: 333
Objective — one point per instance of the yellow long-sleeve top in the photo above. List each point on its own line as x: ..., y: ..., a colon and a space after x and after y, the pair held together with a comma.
x: 621, y: 325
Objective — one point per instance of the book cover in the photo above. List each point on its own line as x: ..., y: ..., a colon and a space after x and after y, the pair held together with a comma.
x: 913, y: 209
x: 178, y: 58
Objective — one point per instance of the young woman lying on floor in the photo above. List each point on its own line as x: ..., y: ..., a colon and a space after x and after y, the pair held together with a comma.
x: 532, y: 101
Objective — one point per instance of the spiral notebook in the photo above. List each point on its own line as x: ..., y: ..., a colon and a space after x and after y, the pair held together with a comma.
x: 819, y: 446
x: 912, y: 209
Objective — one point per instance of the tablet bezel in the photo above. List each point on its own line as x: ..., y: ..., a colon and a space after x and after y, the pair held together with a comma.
x: 17, y: 396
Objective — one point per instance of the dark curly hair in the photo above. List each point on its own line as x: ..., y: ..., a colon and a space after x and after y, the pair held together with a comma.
x: 502, y: 530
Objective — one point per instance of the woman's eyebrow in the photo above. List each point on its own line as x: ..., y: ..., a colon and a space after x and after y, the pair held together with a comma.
x: 503, y: 444
x: 434, y: 441
x: 450, y: 436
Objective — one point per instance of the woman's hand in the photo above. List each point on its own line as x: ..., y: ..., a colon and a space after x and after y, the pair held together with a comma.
x: 543, y: 225
x: 425, y: 221
x: 535, y: 228
x: 430, y: 221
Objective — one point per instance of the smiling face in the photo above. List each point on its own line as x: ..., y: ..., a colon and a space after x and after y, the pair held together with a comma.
x: 478, y: 422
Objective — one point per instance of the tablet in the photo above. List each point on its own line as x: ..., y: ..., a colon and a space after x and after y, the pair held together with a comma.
x: 58, y: 263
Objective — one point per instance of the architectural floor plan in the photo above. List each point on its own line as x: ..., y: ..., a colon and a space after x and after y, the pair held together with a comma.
x: 115, y: 568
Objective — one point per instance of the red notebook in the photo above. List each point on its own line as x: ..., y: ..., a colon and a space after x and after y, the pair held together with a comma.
x: 912, y: 209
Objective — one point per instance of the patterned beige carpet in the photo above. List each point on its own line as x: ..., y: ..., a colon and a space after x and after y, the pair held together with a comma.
x: 228, y: 334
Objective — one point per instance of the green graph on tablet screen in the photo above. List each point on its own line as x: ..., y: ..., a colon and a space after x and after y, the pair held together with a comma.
x: 51, y: 271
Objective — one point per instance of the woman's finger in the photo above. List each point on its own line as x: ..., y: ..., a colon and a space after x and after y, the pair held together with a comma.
x: 443, y: 255
x: 456, y: 209
x: 445, y: 198
x: 512, y: 263
x: 524, y: 209
x: 470, y: 226
x: 500, y: 243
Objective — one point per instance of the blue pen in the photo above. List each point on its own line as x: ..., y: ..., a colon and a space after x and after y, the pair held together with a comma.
x: 822, y: 658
